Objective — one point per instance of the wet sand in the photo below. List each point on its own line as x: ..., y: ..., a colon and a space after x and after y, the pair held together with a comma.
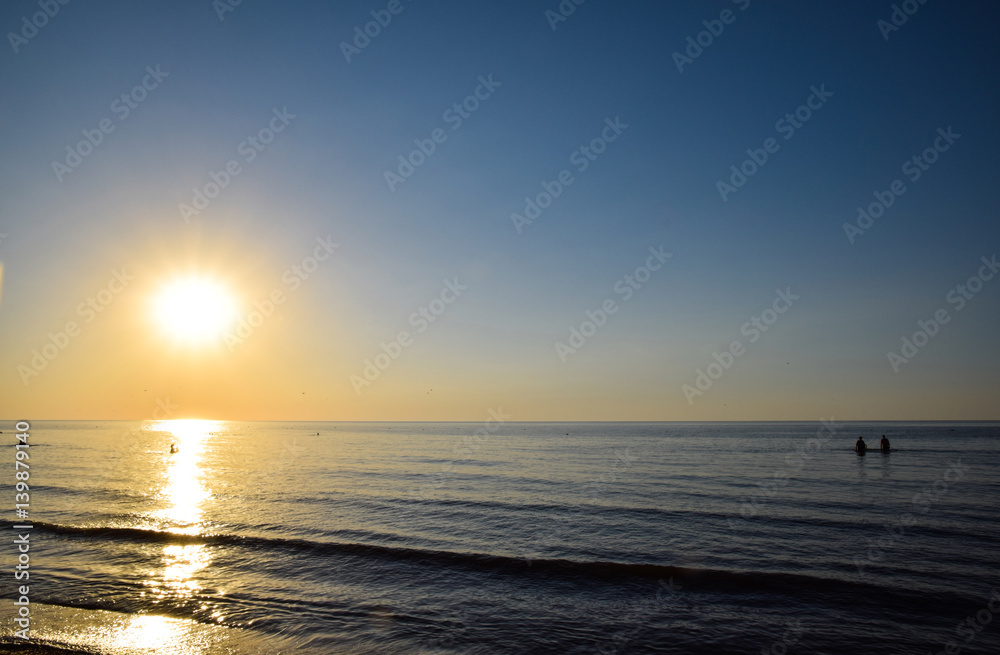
x: 28, y: 648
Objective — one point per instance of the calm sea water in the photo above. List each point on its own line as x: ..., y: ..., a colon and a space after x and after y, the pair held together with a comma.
x: 510, y: 538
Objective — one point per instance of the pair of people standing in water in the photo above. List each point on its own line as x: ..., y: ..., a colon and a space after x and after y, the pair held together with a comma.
x: 861, y: 446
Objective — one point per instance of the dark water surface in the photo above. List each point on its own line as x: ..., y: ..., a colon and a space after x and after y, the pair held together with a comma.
x: 521, y: 538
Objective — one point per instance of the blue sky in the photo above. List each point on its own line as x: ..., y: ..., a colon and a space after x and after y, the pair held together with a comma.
x: 654, y: 185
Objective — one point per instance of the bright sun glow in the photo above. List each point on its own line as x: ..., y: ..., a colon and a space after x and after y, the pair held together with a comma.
x: 195, y: 309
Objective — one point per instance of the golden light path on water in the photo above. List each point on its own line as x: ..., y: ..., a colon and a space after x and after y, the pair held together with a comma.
x: 158, y: 634
x: 185, y: 493
x: 181, y: 492
x: 185, y: 490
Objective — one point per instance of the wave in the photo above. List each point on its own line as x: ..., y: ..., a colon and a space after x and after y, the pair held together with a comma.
x: 691, y: 579
x: 721, y: 520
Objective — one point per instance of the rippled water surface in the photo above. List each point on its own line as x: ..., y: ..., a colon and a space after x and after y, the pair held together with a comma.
x: 505, y: 537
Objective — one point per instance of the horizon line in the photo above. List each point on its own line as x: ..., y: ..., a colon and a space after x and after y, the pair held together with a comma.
x: 192, y: 418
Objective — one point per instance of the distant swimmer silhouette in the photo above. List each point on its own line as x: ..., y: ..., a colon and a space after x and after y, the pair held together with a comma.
x: 884, y: 444
x: 173, y: 448
x: 860, y: 447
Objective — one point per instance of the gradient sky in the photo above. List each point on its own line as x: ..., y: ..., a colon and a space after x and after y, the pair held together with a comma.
x: 494, y: 347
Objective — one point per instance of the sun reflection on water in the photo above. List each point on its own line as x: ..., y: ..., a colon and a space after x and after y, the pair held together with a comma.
x: 185, y: 490
x: 156, y: 633
x: 184, y: 493
x: 182, y: 562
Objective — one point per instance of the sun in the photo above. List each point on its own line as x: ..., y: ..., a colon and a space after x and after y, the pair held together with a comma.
x: 195, y: 309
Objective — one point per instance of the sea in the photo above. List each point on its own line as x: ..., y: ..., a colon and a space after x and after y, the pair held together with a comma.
x: 504, y: 537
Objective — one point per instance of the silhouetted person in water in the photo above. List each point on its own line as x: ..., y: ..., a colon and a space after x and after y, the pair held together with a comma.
x: 884, y: 444
x: 861, y: 446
